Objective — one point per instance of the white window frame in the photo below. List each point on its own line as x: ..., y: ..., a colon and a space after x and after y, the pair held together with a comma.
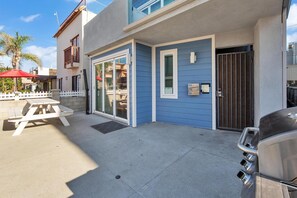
x: 164, y: 53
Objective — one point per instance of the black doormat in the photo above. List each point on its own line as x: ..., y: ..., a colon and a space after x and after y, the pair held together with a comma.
x: 108, y: 127
x: 8, y: 126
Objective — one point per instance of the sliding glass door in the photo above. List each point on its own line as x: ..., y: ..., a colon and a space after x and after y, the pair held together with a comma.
x: 111, y: 93
x: 108, y: 88
x: 121, y: 87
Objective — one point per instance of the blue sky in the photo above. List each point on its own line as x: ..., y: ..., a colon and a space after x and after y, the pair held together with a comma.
x: 292, y: 23
x: 36, y: 18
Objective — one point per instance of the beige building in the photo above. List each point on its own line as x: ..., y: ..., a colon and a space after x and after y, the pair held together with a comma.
x: 70, y: 47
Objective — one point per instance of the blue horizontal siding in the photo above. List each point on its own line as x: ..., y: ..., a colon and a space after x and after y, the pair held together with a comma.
x: 124, y: 47
x: 193, y: 111
x: 144, y: 83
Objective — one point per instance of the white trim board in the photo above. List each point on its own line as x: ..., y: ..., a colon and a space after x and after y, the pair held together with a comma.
x: 134, y: 99
x: 112, y: 56
x: 154, y: 105
x: 214, y: 81
x: 185, y: 40
x: 111, y: 48
x: 144, y: 43
x: 174, y: 53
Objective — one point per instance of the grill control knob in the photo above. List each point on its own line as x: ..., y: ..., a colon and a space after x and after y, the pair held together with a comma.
x: 245, y: 178
x: 250, y: 146
x: 248, y: 166
x: 249, y: 157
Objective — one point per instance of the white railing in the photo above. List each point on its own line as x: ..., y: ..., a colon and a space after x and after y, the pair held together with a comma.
x: 27, y: 95
x: 7, y: 96
x: 72, y: 93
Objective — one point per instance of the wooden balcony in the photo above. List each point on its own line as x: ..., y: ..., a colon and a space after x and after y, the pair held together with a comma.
x: 71, y: 57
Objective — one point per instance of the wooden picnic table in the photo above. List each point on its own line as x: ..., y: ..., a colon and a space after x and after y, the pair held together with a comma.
x: 39, y: 109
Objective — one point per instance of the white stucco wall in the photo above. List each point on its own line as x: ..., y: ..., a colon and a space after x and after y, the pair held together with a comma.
x: 43, y: 71
x: 109, y: 23
x: 236, y: 38
x: 63, y: 42
x: 268, y: 69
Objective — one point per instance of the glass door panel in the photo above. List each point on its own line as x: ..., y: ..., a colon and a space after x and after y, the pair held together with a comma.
x: 99, y: 86
x: 121, y: 91
x: 108, y: 88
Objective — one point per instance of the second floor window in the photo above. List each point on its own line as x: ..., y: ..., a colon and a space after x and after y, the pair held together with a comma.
x: 75, y: 41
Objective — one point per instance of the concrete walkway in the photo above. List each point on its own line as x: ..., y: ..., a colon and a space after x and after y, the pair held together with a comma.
x: 153, y: 160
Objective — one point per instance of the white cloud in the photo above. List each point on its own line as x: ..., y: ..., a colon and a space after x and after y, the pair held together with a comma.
x: 292, y: 19
x: 292, y: 37
x: 48, y: 55
x: 1, y: 27
x: 5, y: 60
x: 30, y: 18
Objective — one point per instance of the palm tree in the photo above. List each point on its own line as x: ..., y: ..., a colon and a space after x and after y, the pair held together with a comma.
x: 13, y: 46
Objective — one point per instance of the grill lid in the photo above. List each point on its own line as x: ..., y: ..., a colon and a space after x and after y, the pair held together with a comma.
x: 281, y: 121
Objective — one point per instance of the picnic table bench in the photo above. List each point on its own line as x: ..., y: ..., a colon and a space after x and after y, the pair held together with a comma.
x: 38, y: 109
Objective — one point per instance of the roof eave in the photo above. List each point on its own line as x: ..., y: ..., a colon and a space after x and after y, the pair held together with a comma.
x: 69, y: 20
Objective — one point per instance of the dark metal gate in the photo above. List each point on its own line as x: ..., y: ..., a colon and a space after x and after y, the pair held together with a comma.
x: 235, y: 90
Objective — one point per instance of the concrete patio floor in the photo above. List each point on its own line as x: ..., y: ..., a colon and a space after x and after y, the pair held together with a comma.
x: 153, y: 160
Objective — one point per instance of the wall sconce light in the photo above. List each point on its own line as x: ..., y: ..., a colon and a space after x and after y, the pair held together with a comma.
x: 193, y: 57
x: 66, y: 77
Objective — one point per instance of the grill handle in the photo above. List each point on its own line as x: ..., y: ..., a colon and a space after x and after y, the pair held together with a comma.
x: 242, y: 139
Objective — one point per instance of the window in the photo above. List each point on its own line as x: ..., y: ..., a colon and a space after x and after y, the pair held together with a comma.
x: 156, y: 6
x: 75, y: 83
x: 75, y: 41
x: 168, y: 74
x: 60, y: 83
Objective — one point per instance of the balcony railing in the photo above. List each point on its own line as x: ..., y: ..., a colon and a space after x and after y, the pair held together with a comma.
x: 142, y: 8
x: 71, y: 56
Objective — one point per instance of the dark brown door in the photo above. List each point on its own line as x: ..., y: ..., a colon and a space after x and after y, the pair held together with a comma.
x: 235, y: 88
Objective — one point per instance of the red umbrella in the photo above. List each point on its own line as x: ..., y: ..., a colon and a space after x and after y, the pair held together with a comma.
x: 16, y: 73
x: 98, y: 78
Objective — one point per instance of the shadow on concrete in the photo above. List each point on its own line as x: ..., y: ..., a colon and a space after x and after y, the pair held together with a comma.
x: 154, y: 160
x: 10, y: 126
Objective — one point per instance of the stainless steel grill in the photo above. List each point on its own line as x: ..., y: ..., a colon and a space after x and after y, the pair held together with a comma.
x: 269, y: 164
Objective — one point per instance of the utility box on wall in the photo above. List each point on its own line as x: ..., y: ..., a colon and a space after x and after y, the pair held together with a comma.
x: 193, y: 89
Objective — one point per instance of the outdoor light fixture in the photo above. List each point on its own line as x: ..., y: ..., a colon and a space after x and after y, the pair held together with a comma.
x: 193, y: 57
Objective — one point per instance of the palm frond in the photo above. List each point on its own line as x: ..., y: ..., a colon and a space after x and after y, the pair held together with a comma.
x: 32, y: 57
x: 6, y: 43
x: 20, y: 41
